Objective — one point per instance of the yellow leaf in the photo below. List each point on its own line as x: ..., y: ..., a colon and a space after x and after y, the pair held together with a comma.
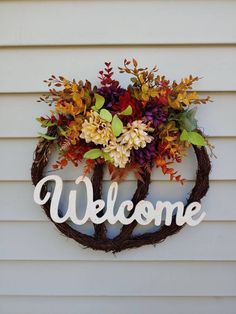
x: 82, y: 93
x: 79, y: 102
x: 171, y: 138
x: 66, y: 84
x: 185, y: 101
x: 193, y: 96
x: 145, y: 88
x: 174, y: 103
x: 74, y: 87
x: 153, y: 93
x: 75, y: 96
x: 141, y: 79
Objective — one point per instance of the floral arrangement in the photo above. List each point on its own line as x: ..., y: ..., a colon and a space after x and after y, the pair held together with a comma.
x: 151, y: 122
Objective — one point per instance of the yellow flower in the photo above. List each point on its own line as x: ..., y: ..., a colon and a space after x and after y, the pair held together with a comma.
x: 135, y: 135
x: 119, y: 153
x: 96, y: 130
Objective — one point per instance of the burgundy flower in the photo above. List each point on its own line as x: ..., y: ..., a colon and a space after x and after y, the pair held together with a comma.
x: 111, y: 94
x: 126, y: 100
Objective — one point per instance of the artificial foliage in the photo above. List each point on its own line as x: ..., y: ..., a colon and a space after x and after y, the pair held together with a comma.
x: 151, y: 122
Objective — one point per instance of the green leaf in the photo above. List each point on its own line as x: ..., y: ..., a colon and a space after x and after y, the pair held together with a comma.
x: 193, y: 137
x: 45, y: 123
x: 93, y: 153
x: 196, y: 139
x: 187, y: 119
x: 184, y: 136
x: 192, y: 113
x: 62, y: 131
x: 106, y: 115
x: 127, y: 112
x: 39, y: 120
x: 117, y: 126
x: 106, y: 156
x: 186, y: 124
x: 100, y: 100
x: 47, y: 137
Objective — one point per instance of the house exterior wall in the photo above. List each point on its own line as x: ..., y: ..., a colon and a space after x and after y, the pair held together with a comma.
x: 41, y: 271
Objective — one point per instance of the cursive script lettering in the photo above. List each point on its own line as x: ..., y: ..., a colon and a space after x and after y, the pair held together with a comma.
x: 144, y: 211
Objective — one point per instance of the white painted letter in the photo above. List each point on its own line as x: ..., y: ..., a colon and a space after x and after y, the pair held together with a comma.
x: 191, y: 210
x: 55, y: 197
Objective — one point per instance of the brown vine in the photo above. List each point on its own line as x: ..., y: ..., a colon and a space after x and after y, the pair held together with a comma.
x: 125, y: 240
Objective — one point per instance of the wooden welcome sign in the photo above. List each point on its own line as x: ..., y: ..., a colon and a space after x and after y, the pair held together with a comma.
x: 143, y: 213
x: 150, y: 124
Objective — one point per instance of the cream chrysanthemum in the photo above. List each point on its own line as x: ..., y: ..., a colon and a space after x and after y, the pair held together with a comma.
x: 135, y: 135
x: 96, y: 130
x: 119, y: 153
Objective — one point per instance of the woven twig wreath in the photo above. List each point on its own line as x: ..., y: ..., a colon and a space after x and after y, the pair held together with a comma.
x: 167, y: 110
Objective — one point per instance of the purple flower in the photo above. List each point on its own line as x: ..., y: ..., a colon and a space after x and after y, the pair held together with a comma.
x: 144, y: 155
x: 155, y: 113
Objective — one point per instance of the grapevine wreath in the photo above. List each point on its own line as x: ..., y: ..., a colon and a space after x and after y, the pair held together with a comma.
x: 149, y: 124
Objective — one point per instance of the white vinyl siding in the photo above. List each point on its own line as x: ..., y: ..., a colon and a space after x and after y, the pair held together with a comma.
x: 43, y: 272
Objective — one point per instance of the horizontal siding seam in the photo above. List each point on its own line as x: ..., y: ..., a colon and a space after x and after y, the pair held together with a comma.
x: 11, y: 261
x: 116, y: 45
x: 119, y: 260
x: 81, y: 295
x: 115, y: 296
